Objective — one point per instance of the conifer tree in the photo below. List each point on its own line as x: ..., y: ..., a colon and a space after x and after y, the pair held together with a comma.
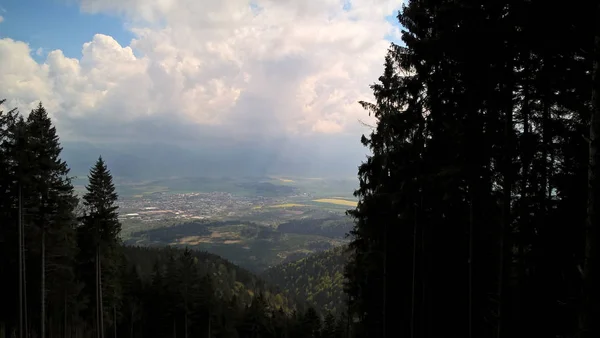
x: 98, y: 238
x: 49, y: 204
x: 11, y: 230
x: 590, y: 315
x: 329, y: 327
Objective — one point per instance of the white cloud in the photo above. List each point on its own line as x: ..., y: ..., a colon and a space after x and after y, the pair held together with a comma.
x: 265, y: 67
x: 1, y: 18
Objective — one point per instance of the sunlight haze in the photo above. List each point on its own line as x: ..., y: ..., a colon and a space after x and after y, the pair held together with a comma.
x: 280, y: 78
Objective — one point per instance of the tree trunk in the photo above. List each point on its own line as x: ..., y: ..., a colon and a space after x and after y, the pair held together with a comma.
x: 20, y: 225
x: 470, y: 262
x: 115, y: 318
x: 174, y: 328
x: 544, y: 191
x: 588, y: 319
x: 384, y: 293
x: 525, y: 210
x: 25, y: 304
x: 43, y: 287
x: 504, y: 263
x: 414, y: 278
x: 185, y: 325
x: 97, y: 259
x: 65, y: 318
x: 131, y: 325
x: 101, y: 302
x: 348, y: 319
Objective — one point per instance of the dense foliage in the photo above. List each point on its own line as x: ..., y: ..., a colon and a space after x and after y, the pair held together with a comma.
x: 333, y: 226
x: 478, y: 207
x: 317, y: 279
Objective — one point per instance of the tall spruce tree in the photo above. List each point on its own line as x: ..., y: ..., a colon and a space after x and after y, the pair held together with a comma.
x: 589, y: 319
x: 49, y: 203
x: 99, y: 241
x: 11, y: 229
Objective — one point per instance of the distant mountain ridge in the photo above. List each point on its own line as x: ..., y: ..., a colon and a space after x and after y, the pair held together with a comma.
x: 162, y: 160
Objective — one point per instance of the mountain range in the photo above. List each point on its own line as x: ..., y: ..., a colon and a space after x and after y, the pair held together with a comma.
x: 142, y: 161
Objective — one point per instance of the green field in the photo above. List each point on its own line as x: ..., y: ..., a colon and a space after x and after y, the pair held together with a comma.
x: 250, y: 245
x: 298, y: 216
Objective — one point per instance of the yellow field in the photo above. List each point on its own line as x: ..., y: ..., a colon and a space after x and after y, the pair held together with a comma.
x: 285, y: 180
x: 336, y: 201
x: 286, y: 205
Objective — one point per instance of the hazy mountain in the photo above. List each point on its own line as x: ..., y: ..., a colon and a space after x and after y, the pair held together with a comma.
x: 148, y: 161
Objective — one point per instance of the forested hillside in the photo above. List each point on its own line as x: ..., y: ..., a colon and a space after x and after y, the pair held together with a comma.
x: 318, y: 279
x: 229, y: 280
x: 66, y: 273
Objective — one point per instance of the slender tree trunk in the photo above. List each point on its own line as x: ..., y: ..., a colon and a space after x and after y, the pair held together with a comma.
x: 589, y: 316
x: 24, y: 262
x: 185, y: 323
x: 471, y: 227
x: 545, y: 191
x: 424, y: 328
x: 524, y: 223
x: 115, y: 318
x: 20, y: 225
x: 174, y: 328
x: 507, y: 216
x: 348, y: 319
x: 131, y: 325
x: 43, y: 287
x: 414, y: 278
x: 384, y: 302
x: 65, y: 329
x: 101, y: 303
x: 97, y: 259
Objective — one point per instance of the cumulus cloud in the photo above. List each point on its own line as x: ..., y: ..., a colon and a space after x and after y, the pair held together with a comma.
x: 1, y: 18
x: 269, y: 69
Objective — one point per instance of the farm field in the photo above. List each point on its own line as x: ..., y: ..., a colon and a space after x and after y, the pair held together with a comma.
x: 254, y: 222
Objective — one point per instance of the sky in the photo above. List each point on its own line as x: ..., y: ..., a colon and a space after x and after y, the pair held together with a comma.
x: 281, y: 74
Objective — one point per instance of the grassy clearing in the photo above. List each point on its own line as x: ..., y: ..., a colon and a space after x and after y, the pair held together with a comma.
x: 286, y: 205
x: 336, y: 201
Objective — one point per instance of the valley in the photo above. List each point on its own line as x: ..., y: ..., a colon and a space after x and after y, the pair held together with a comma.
x: 256, y: 223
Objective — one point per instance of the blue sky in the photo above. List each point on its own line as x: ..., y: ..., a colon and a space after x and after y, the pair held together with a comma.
x: 273, y: 75
x: 59, y: 24
x: 56, y: 24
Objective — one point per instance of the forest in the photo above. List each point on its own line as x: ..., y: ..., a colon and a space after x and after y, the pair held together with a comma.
x: 317, y: 279
x: 66, y: 273
x: 329, y: 227
x: 477, y: 209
